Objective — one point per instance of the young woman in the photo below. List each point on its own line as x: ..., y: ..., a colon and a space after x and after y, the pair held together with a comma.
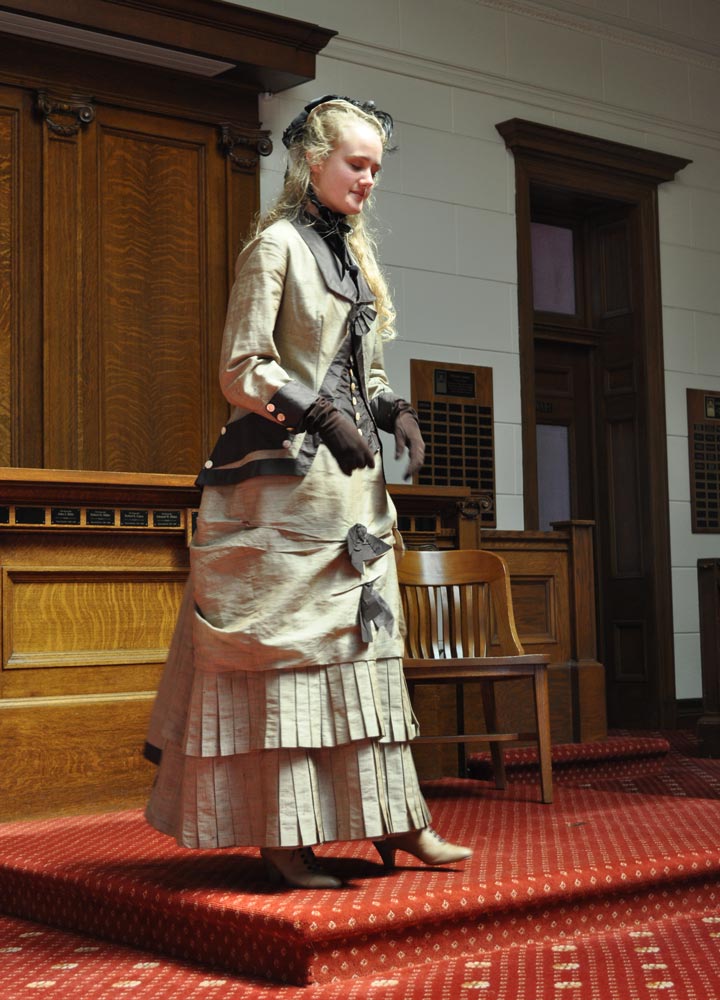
x: 283, y: 718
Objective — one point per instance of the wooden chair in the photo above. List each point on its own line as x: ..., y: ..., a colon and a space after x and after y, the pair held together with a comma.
x: 450, y: 631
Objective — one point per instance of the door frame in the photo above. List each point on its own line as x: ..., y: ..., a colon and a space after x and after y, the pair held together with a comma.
x: 629, y: 175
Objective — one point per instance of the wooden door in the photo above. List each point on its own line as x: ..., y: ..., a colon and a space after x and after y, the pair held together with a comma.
x: 592, y: 461
x: 590, y: 178
x: 564, y: 405
x: 625, y: 545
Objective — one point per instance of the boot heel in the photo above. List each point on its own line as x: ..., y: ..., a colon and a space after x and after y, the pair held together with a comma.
x: 386, y: 852
x: 425, y: 845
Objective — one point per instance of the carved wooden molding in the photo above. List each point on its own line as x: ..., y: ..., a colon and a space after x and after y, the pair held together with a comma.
x: 243, y: 147
x: 533, y: 140
x: 79, y: 110
x: 265, y: 51
x: 475, y: 506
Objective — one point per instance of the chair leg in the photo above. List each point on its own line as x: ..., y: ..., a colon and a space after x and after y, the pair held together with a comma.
x: 489, y: 708
x: 542, y: 719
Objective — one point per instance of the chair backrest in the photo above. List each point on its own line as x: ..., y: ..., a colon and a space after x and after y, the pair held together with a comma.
x: 446, y: 600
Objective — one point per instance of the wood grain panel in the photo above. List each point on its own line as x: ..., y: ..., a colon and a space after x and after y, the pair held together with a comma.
x: 152, y: 306
x: 8, y: 239
x: 630, y: 648
x: 62, y: 301
x: 535, y: 609
x: 73, y: 755
x: 626, y: 534
x: 88, y: 617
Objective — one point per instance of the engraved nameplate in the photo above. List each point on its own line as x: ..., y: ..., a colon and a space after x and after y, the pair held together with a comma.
x: 449, y: 382
x: 166, y: 519
x: 134, y: 518
x: 65, y: 515
x: 100, y: 517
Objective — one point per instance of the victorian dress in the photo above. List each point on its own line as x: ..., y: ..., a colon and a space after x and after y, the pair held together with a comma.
x: 283, y: 718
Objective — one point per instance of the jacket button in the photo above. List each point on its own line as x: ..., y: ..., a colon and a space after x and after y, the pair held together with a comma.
x: 223, y: 430
x: 286, y: 444
x: 270, y: 407
x: 281, y: 418
x: 208, y: 464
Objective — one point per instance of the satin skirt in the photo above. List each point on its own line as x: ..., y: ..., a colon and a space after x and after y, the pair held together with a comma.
x: 316, y: 750
x: 337, y: 763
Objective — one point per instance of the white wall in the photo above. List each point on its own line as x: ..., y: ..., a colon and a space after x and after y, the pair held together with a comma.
x: 645, y: 72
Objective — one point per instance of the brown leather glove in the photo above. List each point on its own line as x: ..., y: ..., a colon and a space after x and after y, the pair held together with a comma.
x: 407, y: 435
x: 339, y: 434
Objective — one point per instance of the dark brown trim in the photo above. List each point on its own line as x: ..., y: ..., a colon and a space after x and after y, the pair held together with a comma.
x: 687, y: 715
x: 529, y: 139
x: 267, y: 51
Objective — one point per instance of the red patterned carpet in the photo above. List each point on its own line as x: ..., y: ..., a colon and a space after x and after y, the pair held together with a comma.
x: 603, y: 896
x: 648, y: 763
x: 676, y: 959
x: 619, y: 757
x: 593, y: 865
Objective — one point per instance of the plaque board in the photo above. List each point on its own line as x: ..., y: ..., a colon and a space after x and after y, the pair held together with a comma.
x: 703, y: 409
x: 455, y: 408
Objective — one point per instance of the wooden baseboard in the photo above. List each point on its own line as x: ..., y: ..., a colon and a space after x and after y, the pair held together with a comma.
x: 688, y: 712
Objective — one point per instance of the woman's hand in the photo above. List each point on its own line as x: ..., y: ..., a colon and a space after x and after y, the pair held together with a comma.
x: 339, y: 434
x: 407, y: 435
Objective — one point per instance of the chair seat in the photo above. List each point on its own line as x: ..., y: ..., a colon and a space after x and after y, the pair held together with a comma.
x: 469, y: 668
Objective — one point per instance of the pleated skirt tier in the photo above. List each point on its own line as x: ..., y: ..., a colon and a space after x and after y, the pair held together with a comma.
x: 278, y: 725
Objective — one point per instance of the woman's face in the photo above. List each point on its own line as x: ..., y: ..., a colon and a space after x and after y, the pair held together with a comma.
x: 343, y: 181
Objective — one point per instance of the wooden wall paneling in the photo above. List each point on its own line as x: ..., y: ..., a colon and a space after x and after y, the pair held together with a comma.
x: 76, y: 693
x: 88, y: 612
x: 27, y: 349
x: 159, y: 236
x: 541, y: 600
x: 93, y: 617
x: 65, y: 192
x: 588, y: 673
x: 241, y: 192
x: 79, y: 755
x: 10, y: 116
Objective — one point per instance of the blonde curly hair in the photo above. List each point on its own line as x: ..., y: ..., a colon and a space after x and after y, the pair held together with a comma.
x: 319, y: 136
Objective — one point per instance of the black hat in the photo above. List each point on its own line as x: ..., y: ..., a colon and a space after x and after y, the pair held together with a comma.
x: 297, y: 126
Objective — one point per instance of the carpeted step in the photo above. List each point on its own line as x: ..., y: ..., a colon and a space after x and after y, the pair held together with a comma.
x: 616, y: 757
x: 677, y: 957
x: 594, y: 861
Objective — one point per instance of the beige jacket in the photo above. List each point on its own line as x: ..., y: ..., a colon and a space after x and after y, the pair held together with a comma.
x: 288, y: 318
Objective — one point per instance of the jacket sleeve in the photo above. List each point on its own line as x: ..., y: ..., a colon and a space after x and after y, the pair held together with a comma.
x: 251, y: 373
